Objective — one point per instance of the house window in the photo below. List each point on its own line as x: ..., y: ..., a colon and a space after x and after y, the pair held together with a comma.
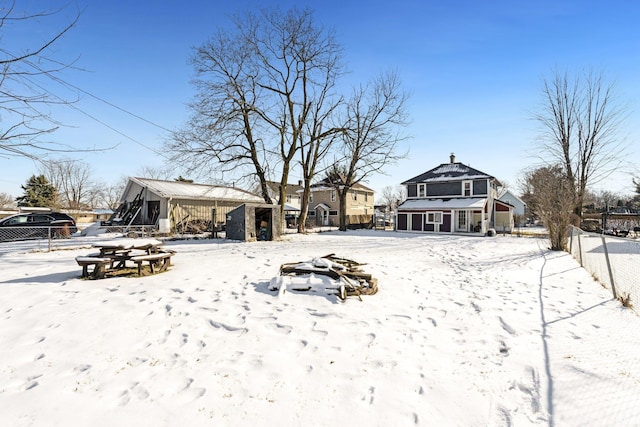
x: 333, y: 213
x: 422, y: 190
x: 310, y: 197
x: 355, y: 195
x: 288, y: 198
x: 333, y: 195
x: 311, y: 213
x: 366, y: 198
x: 434, y: 217
x: 466, y: 188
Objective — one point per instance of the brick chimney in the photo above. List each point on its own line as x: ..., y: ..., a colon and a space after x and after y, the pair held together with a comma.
x: 452, y: 158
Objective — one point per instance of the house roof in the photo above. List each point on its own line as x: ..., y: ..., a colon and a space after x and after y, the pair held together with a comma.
x: 432, y: 204
x: 449, y: 172
x: 506, y: 193
x: 275, y: 187
x: 326, y: 184
x: 187, y: 190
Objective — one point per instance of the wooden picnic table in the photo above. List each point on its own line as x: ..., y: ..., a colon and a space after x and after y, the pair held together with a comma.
x: 115, y: 254
x: 122, y: 250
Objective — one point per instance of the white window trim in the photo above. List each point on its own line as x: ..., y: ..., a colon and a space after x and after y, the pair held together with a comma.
x: 470, y: 188
x: 422, y: 187
x: 434, y: 215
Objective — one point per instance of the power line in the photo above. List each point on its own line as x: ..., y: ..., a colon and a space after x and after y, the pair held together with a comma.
x: 64, y: 83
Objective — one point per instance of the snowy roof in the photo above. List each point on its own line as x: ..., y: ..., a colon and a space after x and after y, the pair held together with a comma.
x: 508, y: 194
x: 450, y: 172
x: 460, y: 203
x: 187, y: 190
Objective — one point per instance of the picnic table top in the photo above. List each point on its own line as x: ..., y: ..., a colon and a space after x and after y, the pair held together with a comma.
x: 127, y: 243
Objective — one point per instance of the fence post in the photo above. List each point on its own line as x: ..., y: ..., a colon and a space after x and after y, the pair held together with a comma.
x: 571, y: 240
x: 580, y: 249
x: 606, y: 256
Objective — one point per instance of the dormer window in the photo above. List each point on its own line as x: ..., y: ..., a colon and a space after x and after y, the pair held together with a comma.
x: 467, y: 188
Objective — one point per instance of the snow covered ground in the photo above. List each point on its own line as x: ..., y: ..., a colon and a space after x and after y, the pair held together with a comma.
x: 464, y: 331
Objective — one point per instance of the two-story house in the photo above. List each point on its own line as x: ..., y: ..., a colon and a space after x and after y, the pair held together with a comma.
x: 324, y: 204
x: 452, y: 198
x: 294, y: 195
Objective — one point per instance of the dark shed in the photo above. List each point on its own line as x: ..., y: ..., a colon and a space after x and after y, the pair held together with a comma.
x: 251, y: 221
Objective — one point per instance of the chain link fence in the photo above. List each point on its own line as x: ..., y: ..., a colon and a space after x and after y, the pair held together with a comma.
x: 48, y: 238
x: 613, y: 261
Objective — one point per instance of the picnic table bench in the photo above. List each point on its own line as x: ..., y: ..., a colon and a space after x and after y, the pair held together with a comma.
x: 160, y: 259
x: 98, y: 264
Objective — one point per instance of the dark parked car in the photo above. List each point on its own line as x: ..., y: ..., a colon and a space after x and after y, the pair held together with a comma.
x: 37, y: 225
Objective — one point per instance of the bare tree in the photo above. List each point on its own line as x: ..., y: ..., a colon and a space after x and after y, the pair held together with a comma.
x: 392, y: 196
x: 108, y: 196
x: 550, y: 196
x: 73, y: 181
x: 24, y: 100
x: 316, y: 144
x: 580, y: 121
x: 258, y: 87
x: 6, y: 201
x: 373, y: 118
x: 150, y: 172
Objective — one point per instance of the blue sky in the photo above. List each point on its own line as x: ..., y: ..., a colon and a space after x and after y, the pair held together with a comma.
x: 474, y: 70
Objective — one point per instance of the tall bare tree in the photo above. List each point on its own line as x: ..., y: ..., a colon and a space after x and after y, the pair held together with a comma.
x: 580, y: 120
x: 374, y: 117
x: 73, y: 181
x: 25, y: 72
x: 258, y: 87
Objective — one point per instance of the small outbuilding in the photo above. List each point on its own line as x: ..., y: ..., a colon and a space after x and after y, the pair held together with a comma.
x: 178, y: 205
x: 253, y: 221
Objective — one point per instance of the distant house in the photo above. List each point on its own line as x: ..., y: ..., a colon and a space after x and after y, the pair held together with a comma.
x: 324, y: 205
x: 293, y: 203
x: 453, y: 198
x: 176, y: 203
x: 512, y: 199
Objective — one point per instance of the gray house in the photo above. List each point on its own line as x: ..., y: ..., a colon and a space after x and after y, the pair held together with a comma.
x: 453, y: 198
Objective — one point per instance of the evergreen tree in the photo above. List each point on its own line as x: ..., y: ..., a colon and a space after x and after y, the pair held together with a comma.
x: 38, y: 192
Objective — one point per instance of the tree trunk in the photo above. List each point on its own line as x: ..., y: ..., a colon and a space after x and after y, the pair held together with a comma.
x: 342, y: 194
x: 304, y: 208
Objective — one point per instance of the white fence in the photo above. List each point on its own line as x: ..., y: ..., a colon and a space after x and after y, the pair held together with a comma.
x: 613, y: 261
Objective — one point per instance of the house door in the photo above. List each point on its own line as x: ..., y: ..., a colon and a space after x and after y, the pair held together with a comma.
x: 461, y: 221
x: 323, y: 216
x: 446, y: 223
x: 416, y: 222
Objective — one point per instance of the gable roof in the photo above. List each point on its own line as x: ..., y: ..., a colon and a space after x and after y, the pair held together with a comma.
x: 508, y: 194
x: 274, y: 187
x: 188, y: 190
x: 449, y: 172
x: 327, y: 184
